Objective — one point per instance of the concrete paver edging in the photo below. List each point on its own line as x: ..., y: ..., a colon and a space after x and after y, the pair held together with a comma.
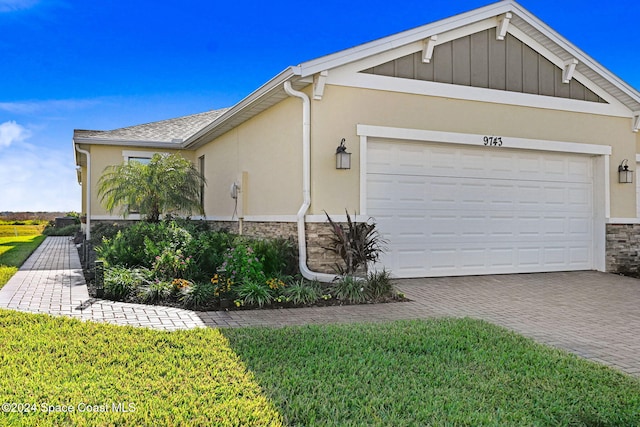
x: 591, y: 314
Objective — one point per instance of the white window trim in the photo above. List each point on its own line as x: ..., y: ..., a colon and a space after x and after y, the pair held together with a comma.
x: 127, y: 154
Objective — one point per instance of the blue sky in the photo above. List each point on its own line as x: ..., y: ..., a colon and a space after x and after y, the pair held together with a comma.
x: 105, y: 64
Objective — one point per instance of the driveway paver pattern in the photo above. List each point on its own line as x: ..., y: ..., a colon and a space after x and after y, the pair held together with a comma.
x: 594, y: 315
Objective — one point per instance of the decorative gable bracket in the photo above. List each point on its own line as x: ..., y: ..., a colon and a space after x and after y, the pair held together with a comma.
x: 319, y: 80
x: 503, y: 26
x: 569, y: 69
x: 636, y: 121
x: 427, y: 49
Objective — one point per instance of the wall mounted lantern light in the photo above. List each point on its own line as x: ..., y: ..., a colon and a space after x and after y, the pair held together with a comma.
x: 624, y: 174
x: 343, y: 159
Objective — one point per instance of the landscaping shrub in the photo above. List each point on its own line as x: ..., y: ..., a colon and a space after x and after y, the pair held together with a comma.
x: 207, y: 250
x: 69, y: 230
x: 358, y: 245
x: 121, y: 282
x: 241, y: 264
x: 303, y: 292
x: 378, y: 284
x: 171, y: 263
x: 105, y: 230
x: 254, y: 292
x: 277, y: 256
x: 155, y: 292
x: 350, y: 288
x: 141, y: 243
x: 198, y: 295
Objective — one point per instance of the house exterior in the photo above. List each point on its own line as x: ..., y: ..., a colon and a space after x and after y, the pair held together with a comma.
x: 484, y: 143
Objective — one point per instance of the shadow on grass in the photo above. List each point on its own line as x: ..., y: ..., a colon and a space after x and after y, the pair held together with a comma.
x: 433, y: 372
x: 14, y: 251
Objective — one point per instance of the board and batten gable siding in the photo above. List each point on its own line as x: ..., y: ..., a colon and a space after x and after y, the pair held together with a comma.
x: 479, y: 60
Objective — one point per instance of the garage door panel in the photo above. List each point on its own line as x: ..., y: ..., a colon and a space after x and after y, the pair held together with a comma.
x: 468, y: 211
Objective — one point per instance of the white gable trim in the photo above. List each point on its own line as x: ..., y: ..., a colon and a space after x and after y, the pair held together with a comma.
x: 420, y: 87
x: 349, y: 75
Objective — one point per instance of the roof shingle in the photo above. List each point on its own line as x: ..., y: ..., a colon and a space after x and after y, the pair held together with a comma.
x: 171, y: 130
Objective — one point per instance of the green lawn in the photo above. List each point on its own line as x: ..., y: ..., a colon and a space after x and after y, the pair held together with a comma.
x: 439, y: 372
x: 10, y: 230
x: 160, y: 378
x: 14, y: 251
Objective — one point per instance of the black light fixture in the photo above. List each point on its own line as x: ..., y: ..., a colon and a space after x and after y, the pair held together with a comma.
x: 625, y: 176
x: 343, y: 159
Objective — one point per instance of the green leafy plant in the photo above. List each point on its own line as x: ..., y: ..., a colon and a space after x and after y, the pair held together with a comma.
x: 351, y: 289
x: 141, y: 243
x: 167, y: 184
x: 156, y: 291
x: 105, y: 230
x: 120, y: 282
x: 171, y: 263
x: 68, y: 230
x: 253, y: 292
x: 278, y: 256
x: 357, y: 244
x: 378, y: 284
x: 303, y: 292
x: 198, y: 295
x: 241, y: 264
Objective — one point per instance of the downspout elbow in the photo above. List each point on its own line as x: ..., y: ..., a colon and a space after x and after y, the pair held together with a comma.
x: 88, y: 184
x: 306, y: 187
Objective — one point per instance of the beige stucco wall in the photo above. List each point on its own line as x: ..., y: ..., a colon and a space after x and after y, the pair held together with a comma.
x: 269, y: 149
x: 342, y: 108
x: 103, y: 156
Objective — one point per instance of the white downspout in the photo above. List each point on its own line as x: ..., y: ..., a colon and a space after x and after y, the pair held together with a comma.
x: 88, y: 184
x: 306, y: 186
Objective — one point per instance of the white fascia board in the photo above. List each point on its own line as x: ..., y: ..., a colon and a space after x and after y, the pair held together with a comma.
x: 406, y: 37
x: 264, y: 90
x: 573, y: 51
x: 123, y: 142
x: 478, y: 140
x: 469, y: 93
x: 561, y: 63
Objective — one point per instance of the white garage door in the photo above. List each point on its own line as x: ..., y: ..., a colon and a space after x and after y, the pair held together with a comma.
x: 475, y: 210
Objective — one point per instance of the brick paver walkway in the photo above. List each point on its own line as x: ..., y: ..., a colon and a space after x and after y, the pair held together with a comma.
x: 51, y: 281
x: 594, y: 315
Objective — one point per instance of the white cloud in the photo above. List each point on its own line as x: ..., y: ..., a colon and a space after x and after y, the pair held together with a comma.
x: 13, y: 5
x: 38, y: 179
x: 11, y: 132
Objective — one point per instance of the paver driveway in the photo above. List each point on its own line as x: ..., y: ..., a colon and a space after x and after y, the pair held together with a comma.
x: 595, y: 315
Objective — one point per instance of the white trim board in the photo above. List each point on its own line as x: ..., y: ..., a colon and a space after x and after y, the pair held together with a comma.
x: 477, y: 140
x: 253, y: 218
x: 469, y: 93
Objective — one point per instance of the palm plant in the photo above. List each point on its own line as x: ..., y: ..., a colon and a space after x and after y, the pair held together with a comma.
x: 167, y: 184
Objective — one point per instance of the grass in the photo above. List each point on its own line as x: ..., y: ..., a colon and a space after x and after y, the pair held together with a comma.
x: 11, y: 230
x: 14, y: 251
x: 162, y: 378
x: 437, y: 372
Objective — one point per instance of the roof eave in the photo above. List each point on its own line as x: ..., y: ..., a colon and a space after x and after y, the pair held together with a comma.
x: 131, y: 143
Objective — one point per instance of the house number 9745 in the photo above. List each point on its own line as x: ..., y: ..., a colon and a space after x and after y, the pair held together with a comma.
x: 493, y: 141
